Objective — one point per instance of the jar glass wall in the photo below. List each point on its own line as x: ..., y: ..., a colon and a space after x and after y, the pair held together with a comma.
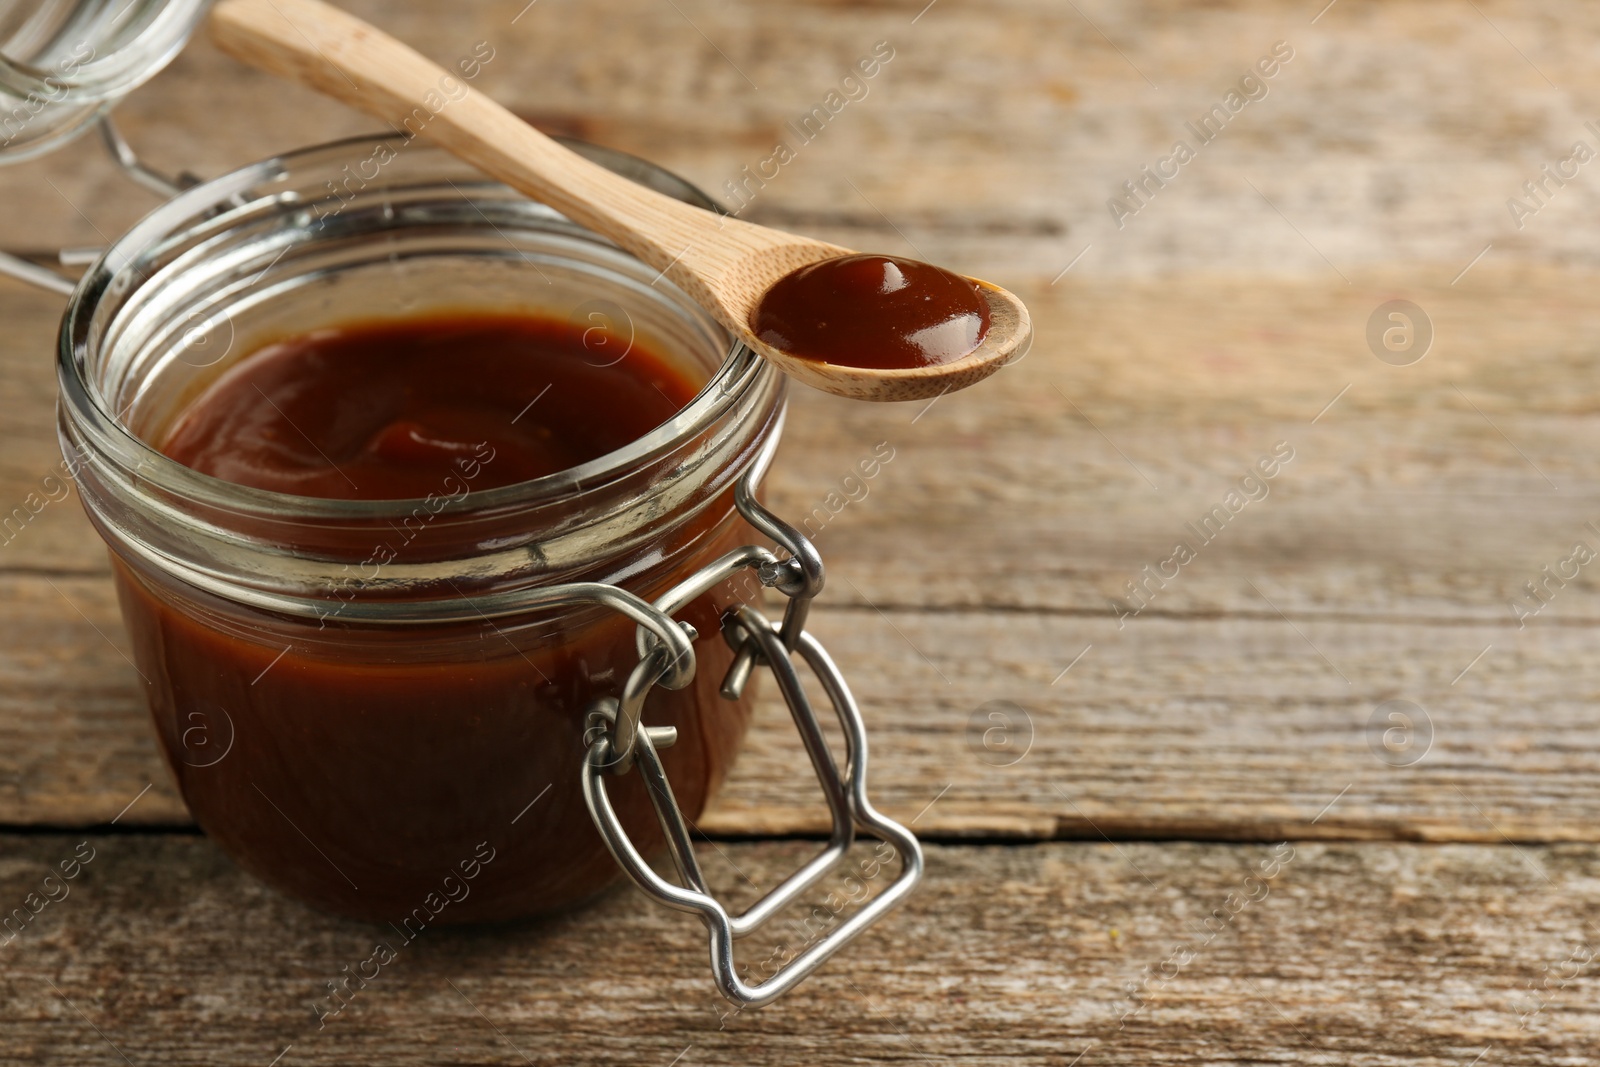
x: 354, y: 696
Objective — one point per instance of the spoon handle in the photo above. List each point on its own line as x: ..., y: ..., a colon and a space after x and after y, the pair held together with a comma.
x: 339, y: 55
x: 725, y: 265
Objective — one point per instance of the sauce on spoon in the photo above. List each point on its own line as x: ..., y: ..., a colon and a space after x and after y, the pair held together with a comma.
x: 873, y: 311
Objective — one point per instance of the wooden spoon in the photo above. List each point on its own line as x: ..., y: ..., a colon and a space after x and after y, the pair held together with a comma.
x: 723, y: 263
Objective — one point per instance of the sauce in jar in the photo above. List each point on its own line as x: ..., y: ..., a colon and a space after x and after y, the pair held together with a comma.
x: 873, y: 311
x: 423, y: 773
x: 387, y: 410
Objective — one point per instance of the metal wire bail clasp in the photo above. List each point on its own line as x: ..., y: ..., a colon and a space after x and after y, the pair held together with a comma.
x: 617, y: 743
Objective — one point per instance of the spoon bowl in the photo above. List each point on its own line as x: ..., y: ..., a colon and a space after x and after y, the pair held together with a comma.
x: 725, y: 264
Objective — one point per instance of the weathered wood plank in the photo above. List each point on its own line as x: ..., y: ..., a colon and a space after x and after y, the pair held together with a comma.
x: 1214, y: 324
x: 162, y: 951
x: 997, y: 133
x: 1233, y: 728
x: 1422, y: 492
x: 1418, y: 498
x: 1190, y: 378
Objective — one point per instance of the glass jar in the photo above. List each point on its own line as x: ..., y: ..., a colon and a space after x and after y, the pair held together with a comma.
x: 64, y: 63
x: 357, y: 698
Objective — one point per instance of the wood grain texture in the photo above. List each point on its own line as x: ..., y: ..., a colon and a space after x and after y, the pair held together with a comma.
x: 997, y: 133
x: 163, y: 952
x: 985, y: 557
x: 1232, y: 728
x: 1227, y: 314
x: 1397, y: 503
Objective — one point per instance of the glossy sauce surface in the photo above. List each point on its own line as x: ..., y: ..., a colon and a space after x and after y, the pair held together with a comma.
x: 388, y: 410
x: 880, y: 312
x: 428, y: 772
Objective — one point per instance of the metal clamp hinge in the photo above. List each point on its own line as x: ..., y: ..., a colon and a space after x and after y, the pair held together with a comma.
x: 617, y: 742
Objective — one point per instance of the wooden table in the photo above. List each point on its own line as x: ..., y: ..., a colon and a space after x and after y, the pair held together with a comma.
x: 1209, y: 841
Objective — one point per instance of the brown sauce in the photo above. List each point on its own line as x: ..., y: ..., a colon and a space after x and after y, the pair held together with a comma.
x: 389, y: 410
x: 426, y: 773
x: 879, y: 312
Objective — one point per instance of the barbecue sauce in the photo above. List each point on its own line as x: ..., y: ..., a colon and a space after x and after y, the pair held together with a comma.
x: 389, y: 410
x: 878, y: 312
x: 424, y: 773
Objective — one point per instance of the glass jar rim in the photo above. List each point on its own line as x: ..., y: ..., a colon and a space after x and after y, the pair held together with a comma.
x: 740, y: 371
x: 135, y: 59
